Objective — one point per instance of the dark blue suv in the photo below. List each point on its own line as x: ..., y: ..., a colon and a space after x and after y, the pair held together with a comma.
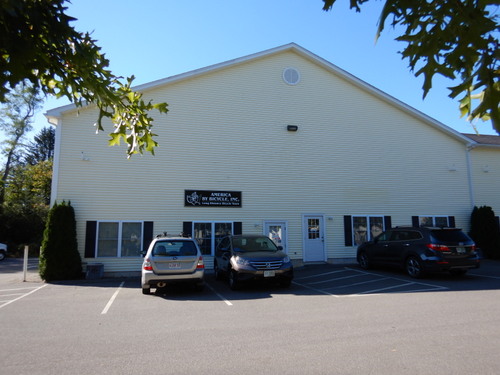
x: 421, y: 250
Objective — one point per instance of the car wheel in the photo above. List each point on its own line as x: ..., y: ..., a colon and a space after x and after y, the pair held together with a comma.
x: 233, y: 279
x: 458, y: 272
x: 2, y: 255
x: 146, y: 290
x: 218, y: 271
x: 413, y: 267
x: 364, y: 261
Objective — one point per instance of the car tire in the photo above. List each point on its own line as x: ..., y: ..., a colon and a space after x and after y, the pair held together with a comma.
x: 413, y: 267
x: 458, y: 272
x: 364, y: 261
x: 146, y: 291
x: 2, y: 255
x: 218, y: 271
x: 233, y: 279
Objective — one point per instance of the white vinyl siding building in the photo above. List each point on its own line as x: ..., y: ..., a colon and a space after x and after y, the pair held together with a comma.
x: 357, y: 153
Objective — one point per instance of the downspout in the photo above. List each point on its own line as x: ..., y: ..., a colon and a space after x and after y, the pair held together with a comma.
x: 468, y: 149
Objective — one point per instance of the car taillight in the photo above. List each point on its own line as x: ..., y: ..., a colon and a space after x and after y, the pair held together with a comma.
x: 437, y: 247
x: 146, y: 266
x: 200, y: 264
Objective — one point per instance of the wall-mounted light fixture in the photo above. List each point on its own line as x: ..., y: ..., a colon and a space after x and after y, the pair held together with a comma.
x: 85, y: 157
x: 292, y: 128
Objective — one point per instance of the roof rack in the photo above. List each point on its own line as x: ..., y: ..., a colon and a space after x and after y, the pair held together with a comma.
x: 165, y: 234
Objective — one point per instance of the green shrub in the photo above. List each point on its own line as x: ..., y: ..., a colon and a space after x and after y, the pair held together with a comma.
x: 59, y: 256
x: 485, y: 231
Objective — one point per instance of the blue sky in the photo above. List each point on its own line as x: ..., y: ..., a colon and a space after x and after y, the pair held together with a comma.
x: 154, y: 39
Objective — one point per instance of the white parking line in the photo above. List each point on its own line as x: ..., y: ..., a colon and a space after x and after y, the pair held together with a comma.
x: 382, y: 289
x: 112, y: 299
x: 23, y: 295
x: 403, y: 283
x: 315, y: 289
x: 219, y: 295
x: 438, y: 287
x: 335, y: 279
x: 320, y: 274
x: 360, y: 283
x: 490, y: 277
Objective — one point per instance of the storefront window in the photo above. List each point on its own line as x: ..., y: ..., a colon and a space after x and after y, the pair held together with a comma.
x: 366, y: 228
x: 433, y: 221
x: 131, y: 239
x: 208, y: 234
x: 119, y: 239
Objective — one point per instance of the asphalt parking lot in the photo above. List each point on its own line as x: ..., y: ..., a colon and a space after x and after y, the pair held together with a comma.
x: 334, y: 319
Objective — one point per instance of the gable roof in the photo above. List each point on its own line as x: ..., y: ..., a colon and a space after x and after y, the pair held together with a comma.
x: 485, y: 139
x: 54, y: 114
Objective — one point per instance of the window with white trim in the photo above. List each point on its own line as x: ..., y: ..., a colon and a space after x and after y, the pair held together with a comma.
x: 433, y: 221
x: 119, y: 238
x: 208, y: 234
x: 366, y: 228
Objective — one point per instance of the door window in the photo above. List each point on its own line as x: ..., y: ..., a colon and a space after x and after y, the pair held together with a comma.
x: 313, y: 228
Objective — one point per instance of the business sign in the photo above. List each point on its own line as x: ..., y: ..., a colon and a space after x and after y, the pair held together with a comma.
x: 209, y: 198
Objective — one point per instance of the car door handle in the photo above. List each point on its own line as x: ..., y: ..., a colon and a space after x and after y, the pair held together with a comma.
x: 406, y: 244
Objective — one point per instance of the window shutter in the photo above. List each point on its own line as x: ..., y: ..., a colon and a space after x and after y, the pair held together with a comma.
x: 387, y: 222
x: 187, y: 228
x: 90, y: 238
x: 348, y: 230
x: 147, y: 236
x: 414, y: 221
x: 451, y: 221
x: 237, y: 227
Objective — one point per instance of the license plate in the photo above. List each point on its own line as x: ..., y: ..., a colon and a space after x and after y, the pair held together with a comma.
x: 269, y: 273
x: 174, y: 265
x: 460, y: 250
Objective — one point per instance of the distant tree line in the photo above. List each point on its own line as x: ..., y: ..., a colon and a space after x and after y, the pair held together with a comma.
x: 25, y: 171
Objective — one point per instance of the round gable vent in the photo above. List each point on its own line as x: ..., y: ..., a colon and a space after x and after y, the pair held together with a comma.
x: 291, y: 76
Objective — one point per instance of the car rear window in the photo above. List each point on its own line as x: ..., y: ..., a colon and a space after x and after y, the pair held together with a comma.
x: 174, y: 248
x: 450, y: 236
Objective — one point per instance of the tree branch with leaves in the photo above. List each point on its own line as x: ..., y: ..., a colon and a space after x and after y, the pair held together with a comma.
x: 458, y: 39
x: 38, y: 44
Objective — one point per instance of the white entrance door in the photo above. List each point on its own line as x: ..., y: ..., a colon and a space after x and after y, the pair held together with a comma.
x: 277, y: 231
x: 314, y: 238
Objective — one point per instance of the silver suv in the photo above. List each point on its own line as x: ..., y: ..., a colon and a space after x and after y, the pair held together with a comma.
x: 172, y: 260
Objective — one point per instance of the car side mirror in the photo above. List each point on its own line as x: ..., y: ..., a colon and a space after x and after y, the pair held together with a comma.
x: 280, y: 247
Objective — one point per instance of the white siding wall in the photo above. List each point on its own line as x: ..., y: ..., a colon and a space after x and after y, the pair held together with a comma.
x: 486, y: 177
x: 353, y: 154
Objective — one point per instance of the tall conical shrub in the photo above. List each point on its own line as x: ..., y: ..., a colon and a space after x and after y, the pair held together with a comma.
x: 59, y: 256
x: 485, y: 232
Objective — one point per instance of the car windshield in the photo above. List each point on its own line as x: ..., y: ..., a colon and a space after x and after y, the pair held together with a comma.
x: 250, y: 244
x: 174, y: 248
x: 450, y: 236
